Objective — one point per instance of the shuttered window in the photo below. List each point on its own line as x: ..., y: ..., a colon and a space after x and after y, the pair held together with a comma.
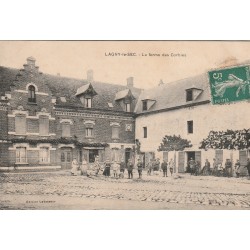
x: 115, y: 132
x: 243, y: 157
x: 66, y: 129
x: 20, y: 124
x: 21, y: 155
x: 43, y: 125
x: 219, y: 156
x: 44, y: 155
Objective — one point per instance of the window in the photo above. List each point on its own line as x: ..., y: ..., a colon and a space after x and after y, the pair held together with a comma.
x: 89, y: 132
x: 62, y: 157
x: 87, y: 102
x: 189, y: 95
x: 43, y: 125
x: 20, y: 124
x: 145, y: 132
x: 66, y: 129
x: 44, y: 155
x: 190, y: 127
x: 115, y: 132
x: 32, y: 94
x: 115, y: 154
x: 144, y: 105
x: 21, y: 155
x: 128, y: 107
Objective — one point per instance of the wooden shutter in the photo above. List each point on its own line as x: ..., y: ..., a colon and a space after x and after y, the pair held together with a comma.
x: 165, y: 156
x: 181, y: 163
x: 44, y: 125
x: 198, y: 156
x: 243, y: 157
x: 219, y: 156
x: 20, y: 124
x: 65, y: 130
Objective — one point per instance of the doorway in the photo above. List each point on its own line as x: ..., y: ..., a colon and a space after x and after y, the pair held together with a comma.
x: 66, y: 158
x: 127, y: 155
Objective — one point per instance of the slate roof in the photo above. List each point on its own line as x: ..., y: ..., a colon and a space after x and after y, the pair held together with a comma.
x: 67, y: 87
x: 173, y: 94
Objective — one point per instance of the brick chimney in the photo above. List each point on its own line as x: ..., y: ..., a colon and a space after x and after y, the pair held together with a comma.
x: 31, y: 60
x: 130, y: 82
x: 90, y: 75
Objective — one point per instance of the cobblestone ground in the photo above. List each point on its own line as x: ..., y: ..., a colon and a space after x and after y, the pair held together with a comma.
x: 60, y: 190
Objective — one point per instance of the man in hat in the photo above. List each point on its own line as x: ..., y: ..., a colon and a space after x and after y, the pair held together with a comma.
x: 130, y: 169
x: 164, y: 167
x: 139, y: 167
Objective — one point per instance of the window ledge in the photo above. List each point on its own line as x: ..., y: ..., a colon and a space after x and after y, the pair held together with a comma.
x: 31, y: 103
x: 21, y: 163
x: 89, y: 137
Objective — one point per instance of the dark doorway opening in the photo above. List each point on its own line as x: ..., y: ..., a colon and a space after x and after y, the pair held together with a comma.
x: 92, y: 154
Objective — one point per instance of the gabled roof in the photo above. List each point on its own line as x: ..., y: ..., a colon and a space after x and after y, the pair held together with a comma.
x: 123, y: 94
x: 86, y: 89
x: 170, y: 95
x: 67, y: 87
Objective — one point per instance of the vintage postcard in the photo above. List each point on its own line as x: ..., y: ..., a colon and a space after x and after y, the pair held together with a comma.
x: 124, y: 125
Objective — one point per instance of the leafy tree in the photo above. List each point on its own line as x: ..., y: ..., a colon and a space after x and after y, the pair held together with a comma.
x: 174, y: 143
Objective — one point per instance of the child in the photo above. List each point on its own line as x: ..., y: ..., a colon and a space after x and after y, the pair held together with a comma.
x: 115, y: 169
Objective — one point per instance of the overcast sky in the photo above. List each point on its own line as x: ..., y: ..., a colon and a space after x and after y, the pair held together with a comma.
x: 73, y: 59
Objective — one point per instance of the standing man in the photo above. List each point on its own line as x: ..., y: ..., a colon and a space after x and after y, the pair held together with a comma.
x: 122, y: 166
x: 228, y: 167
x: 248, y: 167
x: 237, y: 168
x: 192, y: 166
x: 130, y: 169
x: 139, y: 167
x: 164, y: 167
x: 206, y: 169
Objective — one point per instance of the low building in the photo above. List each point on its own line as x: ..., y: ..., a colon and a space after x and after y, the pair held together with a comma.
x: 184, y: 108
x: 47, y: 120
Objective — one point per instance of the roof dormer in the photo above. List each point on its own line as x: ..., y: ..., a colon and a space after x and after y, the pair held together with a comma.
x: 86, y: 94
x: 192, y: 94
x: 147, y: 104
x: 125, y: 98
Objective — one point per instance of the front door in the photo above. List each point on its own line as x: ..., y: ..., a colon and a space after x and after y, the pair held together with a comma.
x: 66, y: 158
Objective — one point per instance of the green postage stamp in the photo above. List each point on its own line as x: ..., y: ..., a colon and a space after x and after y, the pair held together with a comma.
x: 230, y: 85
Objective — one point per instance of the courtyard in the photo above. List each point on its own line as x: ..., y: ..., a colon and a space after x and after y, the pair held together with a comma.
x: 59, y: 190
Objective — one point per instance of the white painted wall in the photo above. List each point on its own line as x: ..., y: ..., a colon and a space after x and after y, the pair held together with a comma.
x: 206, y: 117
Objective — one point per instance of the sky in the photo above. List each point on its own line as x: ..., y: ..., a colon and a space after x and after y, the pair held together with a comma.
x: 74, y: 58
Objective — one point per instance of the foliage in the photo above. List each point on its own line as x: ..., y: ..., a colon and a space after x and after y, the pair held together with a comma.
x: 230, y: 139
x: 174, y: 143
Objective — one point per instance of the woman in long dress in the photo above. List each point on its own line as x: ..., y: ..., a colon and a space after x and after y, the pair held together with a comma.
x: 84, y: 167
x: 74, y: 167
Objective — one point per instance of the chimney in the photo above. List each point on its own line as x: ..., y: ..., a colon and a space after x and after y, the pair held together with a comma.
x: 31, y: 60
x: 90, y: 75
x: 130, y: 82
x: 58, y: 74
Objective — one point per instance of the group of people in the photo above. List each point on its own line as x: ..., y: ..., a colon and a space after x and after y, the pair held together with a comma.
x: 217, y: 168
x: 117, y: 168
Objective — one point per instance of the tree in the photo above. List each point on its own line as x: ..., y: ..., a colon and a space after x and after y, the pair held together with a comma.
x: 174, y: 143
x: 230, y: 139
